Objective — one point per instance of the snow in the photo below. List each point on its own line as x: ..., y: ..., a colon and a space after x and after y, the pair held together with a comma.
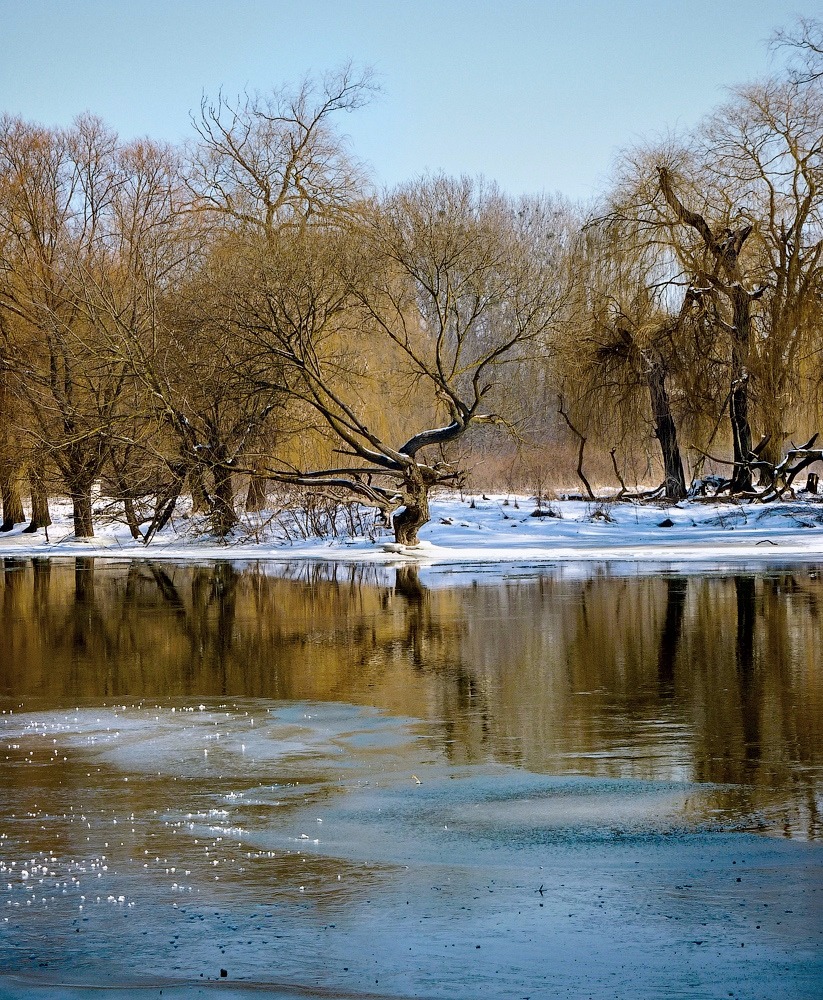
x: 484, y: 530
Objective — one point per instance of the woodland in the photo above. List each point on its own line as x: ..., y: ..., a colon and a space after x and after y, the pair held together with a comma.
x: 204, y: 324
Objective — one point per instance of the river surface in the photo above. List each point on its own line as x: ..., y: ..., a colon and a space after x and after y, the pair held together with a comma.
x: 330, y: 781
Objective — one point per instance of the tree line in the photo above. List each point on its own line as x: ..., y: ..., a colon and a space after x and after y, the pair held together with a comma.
x: 208, y: 319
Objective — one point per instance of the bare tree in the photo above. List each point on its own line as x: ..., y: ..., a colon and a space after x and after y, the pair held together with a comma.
x: 207, y: 389
x: 136, y: 296
x: 55, y: 188
x: 11, y: 463
x: 441, y: 274
x: 723, y: 281
x: 632, y: 345
x: 268, y: 160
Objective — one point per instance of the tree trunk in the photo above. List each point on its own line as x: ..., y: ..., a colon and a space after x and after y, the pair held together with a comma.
x: 13, y: 512
x: 40, y: 516
x: 166, y: 501
x: 123, y: 491
x: 741, y: 436
x: 162, y: 515
x: 199, y: 496
x: 256, y: 494
x: 131, y: 518
x: 10, y: 465
x: 79, y: 467
x: 413, y: 514
x: 223, y: 516
x: 739, y: 398
x: 665, y: 431
x: 581, y: 438
x: 81, y: 511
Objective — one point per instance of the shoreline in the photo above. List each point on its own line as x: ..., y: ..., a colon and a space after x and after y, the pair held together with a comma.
x: 499, y: 530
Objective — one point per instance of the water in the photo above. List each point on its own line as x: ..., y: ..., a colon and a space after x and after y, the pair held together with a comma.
x: 339, y: 781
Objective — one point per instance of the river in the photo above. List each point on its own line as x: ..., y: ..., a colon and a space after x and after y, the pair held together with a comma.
x: 346, y: 781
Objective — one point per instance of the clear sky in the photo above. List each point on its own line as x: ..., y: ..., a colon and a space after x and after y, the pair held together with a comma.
x: 537, y: 94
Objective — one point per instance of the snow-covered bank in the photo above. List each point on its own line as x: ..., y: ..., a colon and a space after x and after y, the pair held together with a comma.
x: 487, y: 530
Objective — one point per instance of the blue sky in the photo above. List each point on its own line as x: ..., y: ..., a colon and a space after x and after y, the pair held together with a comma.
x: 537, y: 94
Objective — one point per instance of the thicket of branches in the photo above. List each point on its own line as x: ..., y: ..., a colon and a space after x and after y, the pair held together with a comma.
x: 209, y: 320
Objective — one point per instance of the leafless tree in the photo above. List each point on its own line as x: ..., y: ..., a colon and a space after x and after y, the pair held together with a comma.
x: 55, y: 188
x: 11, y: 463
x: 206, y: 387
x: 632, y: 344
x: 440, y: 273
x: 150, y: 296
x: 269, y: 160
x: 722, y: 279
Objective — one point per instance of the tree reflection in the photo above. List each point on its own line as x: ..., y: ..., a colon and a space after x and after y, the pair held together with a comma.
x: 676, y: 590
x: 714, y: 678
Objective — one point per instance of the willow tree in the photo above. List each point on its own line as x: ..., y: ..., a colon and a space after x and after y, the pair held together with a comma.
x: 263, y: 164
x: 710, y: 214
x: 764, y: 151
x: 628, y: 356
x: 11, y: 462
x: 204, y: 388
x: 155, y: 296
x: 350, y: 306
x: 719, y: 275
x: 747, y: 220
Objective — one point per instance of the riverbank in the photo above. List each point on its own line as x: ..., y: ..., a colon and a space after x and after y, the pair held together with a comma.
x: 479, y: 529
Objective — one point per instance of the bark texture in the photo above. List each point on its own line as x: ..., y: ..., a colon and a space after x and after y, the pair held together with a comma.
x: 665, y: 430
x: 413, y: 515
x: 13, y: 512
x: 40, y: 516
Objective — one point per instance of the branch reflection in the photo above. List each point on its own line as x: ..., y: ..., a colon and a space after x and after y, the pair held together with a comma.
x: 710, y: 678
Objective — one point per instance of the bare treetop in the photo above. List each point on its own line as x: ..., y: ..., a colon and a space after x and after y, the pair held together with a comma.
x: 805, y: 42
x: 266, y: 159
